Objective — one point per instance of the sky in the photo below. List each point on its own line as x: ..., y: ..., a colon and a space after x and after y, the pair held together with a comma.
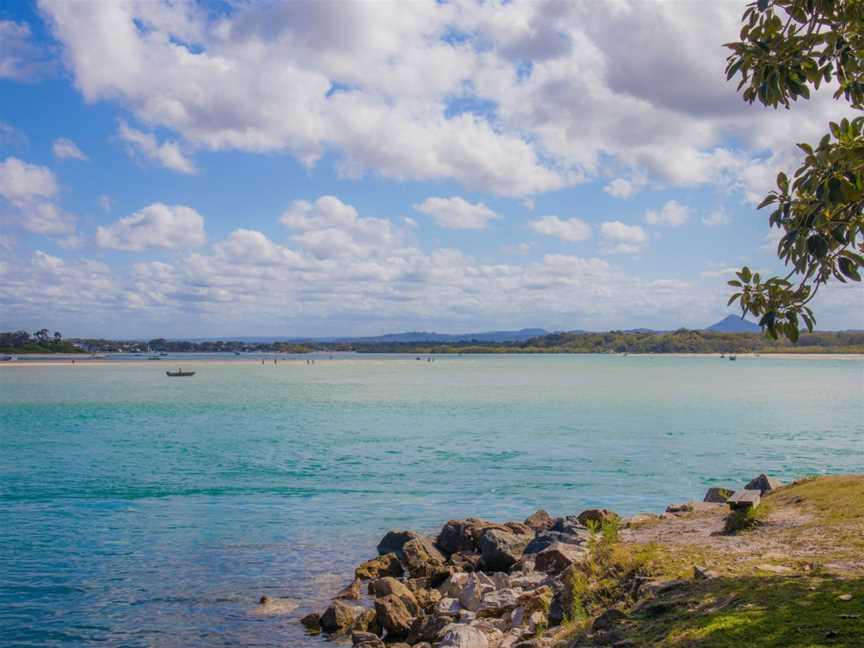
x: 333, y: 168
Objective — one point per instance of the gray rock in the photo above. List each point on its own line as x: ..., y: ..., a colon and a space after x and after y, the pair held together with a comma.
x: 718, y: 495
x: 539, y: 521
x: 393, y: 541
x: 476, y: 586
x: 429, y: 628
x: 558, y: 557
x: 574, y: 534
x: 366, y: 640
x: 703, y: 573
x: 744, y: 499
x: 677, y: 509
x: 763, y: 483
x: 499, y: 550
x: 464, y: 636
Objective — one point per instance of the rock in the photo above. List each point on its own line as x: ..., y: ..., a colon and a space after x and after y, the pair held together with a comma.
x: 763, y: 483
x: 661, y: 586
x: 572, y: 534
x: 677, y: 509
x: 608, y: 620
x: 529, y: 581
x: 453, y: 585
x: 386, y: 565
x: 340, y: 617
x: 476, y: 586
x: 844, y: 597
x: 499, y: 550
x: 702, y: 573
x: 556, y: 609
x: 351, y: 592
x: 390, y: 586
x: 718, y: 495
x: 497, y: 602
x: 558, y: 557
x: 429, y: 628
x: 448, y: 606
x: 394, y: 616
x: 464, y: 535
x: 463, y: 636
x: 393, y: 541
x: 488, y: 627
x: 597, y: 516
x: 423, y: 560
x: 539, y: 521
x: 312, y: 622
x: 264, y: 600
x: 466, y: 562
x: 744, y: 499
x: 366, y: 640
x: 427, y: 599
x: 640, y: 519
x: 400, y: 644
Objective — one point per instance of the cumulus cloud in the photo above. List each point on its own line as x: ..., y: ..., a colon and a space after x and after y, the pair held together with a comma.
x: 716, y: 218
x: 532, y: 97
x: 672, y: 214
x: 171, y: 227
x: 30, y: 191
x: 20, y: 58
x: 566, y: 229
x: 65, y: 149
x: 457, y: 213
x: 620, y: 238
x: 167, y: 154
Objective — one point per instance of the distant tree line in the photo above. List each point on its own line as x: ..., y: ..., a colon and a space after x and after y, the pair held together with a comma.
x: 680, y: 341
x: 42, y: 341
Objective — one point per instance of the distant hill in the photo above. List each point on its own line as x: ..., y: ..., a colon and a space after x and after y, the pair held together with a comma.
x: 734, y: 324
x: 412, y: 336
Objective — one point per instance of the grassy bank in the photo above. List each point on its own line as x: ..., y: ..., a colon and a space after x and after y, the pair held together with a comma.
x: 795, y: 579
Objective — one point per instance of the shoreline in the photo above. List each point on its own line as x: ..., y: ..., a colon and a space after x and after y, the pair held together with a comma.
x: 597, y: 579
x: 355, y: 358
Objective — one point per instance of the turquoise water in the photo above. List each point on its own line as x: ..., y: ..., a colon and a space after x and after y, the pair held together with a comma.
x: 137, y: 510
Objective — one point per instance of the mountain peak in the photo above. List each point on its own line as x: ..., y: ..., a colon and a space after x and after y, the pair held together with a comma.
x: 734, y: 324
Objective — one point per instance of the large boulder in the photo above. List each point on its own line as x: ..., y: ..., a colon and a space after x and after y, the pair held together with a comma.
x: 464, y: 636
x: 430, y: 628
x: 340, y: 616
x: 423, y: 560
x: 390, y: 586
x: 499, y: 550
x: 576, y: 535
x: 466, y: 562
x: 558, y: 557
x: 498, y: 602
x: 539, y: 521
x: 351, y: 592
x: 394, y: 616
x: 464, y: 535
x: 393, y: 541
x: 597, y: 516
x: 386, y: 565
x: 763, y: 483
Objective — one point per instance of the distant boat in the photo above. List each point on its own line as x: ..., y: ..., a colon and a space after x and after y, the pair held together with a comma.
x: 9, y: 358
x: 733, y: 357
x: 236, y: 353
x: 163, y: 353
x: 153, y: 357
x: 179, y: 373
x: 94, y: 356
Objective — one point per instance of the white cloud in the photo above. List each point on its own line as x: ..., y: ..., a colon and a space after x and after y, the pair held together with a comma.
x: 716, y: 218
x: 457, y: 213
x: 621, y: 188
x: 566, y: 229
x: 620, y: 238
x: 672, y: 214
x: 21, y: 182
x: 46, y: 218
x: 106, y: 202
x: 20, y: 58
x: 167, y: 154
x: 172, y: 227
x: 10, y: 136
x: 66, y: 149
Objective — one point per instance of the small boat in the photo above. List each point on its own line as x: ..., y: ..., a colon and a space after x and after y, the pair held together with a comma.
x: 9, y: 358
x: 733, y: 357
x: 179, y: 373
x: 153, y: 357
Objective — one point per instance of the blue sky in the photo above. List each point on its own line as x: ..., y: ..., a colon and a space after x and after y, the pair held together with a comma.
x: 189, y: 169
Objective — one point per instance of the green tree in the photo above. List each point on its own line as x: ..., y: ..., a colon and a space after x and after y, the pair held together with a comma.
x: 788, y: 47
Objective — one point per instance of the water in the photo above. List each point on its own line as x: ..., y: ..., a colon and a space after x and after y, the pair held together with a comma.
x: 137, y: 510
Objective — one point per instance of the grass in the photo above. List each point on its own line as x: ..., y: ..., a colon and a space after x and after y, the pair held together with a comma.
x: 807, y: 526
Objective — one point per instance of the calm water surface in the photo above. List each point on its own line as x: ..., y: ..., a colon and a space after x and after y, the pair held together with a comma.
x: 137, y: 510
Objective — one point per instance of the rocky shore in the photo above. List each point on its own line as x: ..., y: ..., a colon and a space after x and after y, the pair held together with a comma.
x: 483, y: 584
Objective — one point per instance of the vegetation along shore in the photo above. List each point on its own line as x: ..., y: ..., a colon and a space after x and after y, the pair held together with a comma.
x: 680, y: 341
x: 762, y: 564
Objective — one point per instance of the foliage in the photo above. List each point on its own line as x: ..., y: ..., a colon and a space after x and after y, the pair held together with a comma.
x: 786, y: 47
x: 745, y: 520
x: 41, y: 341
